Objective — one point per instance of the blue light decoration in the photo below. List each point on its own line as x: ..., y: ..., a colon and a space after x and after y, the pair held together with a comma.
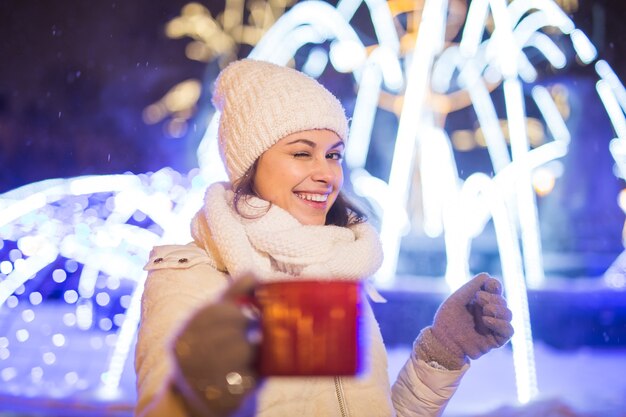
x: 73, y: 249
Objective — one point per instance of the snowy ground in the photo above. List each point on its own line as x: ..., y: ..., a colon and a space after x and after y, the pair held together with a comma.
x: 42, y: 374
x: 586, y: 382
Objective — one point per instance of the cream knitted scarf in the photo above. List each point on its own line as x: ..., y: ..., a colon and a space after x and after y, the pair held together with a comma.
x: 274, y: 245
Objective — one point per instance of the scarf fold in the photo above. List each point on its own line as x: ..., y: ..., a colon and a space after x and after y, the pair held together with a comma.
x: 272, y: 244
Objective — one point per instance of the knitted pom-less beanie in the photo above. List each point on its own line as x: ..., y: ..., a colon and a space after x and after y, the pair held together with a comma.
x: 260, y: 103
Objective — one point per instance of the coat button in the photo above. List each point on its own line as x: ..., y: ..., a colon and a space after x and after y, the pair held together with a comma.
x: 158, y: 260
x: 183, y: 260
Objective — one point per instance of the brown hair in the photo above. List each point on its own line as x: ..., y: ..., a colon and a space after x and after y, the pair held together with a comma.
x: 342, y: 213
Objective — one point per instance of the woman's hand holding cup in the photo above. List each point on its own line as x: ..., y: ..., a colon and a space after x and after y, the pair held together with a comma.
x: 277, y: 328
x: 216, y: 361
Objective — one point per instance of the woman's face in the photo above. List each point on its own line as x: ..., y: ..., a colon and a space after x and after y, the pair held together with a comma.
x: 302, y: 174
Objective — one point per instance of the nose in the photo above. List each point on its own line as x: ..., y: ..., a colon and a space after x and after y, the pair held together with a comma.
x: 325, y: 171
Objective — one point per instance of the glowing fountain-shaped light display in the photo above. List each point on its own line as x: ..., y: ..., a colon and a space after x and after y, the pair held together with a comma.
x: 74, y: 249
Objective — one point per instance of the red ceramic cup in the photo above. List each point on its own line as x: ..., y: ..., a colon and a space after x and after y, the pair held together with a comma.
x: 309, y: 328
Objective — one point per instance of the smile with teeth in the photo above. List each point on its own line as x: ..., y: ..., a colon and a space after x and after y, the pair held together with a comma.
x: 318, y: 198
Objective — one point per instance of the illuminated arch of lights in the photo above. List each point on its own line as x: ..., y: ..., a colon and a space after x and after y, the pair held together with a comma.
x: 91, y: 235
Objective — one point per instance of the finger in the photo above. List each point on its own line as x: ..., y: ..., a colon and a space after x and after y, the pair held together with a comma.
x: 236, y: 353
x: 221, y: 314
x: 215, y: 339
x: 493, y: 286
x: 502, y: 329
x: 469, y: 289
x: 483, y: 345
x: 497, y: 311
x: 484, y: 298
x: 502, y: 340
x: 240, y: 287
x: 486, y: 344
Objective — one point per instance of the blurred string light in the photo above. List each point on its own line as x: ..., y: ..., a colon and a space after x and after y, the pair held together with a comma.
x: 180, y: 102
x: 92, y: 234
x: 543, y: 181
x: 429, y: 43
x: 613, y: 97
x: 381, y: 68
x: 312, y: 22
x: 214, y: 38
x: 568, y: 6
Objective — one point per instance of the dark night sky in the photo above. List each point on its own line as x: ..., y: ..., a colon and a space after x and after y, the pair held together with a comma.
x: 75, y: 76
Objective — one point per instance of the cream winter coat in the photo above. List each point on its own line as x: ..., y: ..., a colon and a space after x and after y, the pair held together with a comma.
x: 183, y: 278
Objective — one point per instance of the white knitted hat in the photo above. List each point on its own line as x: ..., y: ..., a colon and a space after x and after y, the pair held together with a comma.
x: 260, y: 103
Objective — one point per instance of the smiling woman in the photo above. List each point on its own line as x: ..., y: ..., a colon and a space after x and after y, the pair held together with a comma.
x: 281, y: 218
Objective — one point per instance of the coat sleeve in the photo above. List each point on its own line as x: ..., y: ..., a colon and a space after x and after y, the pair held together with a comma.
x: 422, y: 390
x: 180, y: 280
